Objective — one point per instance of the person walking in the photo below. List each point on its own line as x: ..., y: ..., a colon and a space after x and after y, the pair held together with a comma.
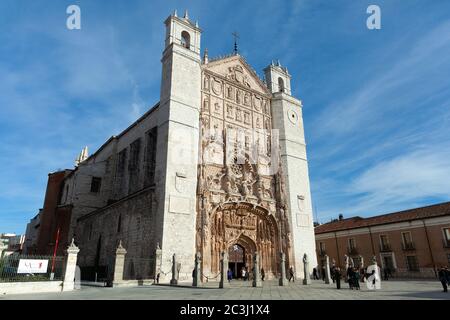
x: 356, y: 277
x: 448, y: 275
x: 243, y: 274
x: 386, y: 273
x: 443, y: 278
x: 291, y: 274
x: 229, y: 275
x: 263, y: 274
x: 350, y: 277
x: 315, y: 276
x: 337, y: 277
x: 323, y: 273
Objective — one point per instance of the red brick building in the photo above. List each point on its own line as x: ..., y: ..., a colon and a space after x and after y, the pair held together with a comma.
x: 54, y: 217
x: 412, y: 243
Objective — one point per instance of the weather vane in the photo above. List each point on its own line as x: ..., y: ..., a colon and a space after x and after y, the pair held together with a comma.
x: 236, y: 36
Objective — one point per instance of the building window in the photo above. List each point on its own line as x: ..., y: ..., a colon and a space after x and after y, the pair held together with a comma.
x: 150, y: 157
x: 185, y: 39
x: 281, y: 84
x: 96, y: 183
x: 133, y: 166
x: 411, y: 263
x: 446, y: 237
x: 352, y: 246
x: 322, y: 248
x: 407, y: 242
x: 119, y: 224
x: 384, y: 243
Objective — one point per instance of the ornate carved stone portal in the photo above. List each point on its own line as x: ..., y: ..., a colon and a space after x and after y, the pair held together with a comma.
x: 241, y: 203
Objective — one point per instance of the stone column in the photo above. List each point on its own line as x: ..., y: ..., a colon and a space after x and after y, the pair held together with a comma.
x: 196, y: 281
x: 306, y: 274
x: 256, y: 276
x: 282, y: 281
x: 174, y: 280
x: 71, y: 264
x: 223, y: 270
x: 119, y: 264
x: 327, y: 270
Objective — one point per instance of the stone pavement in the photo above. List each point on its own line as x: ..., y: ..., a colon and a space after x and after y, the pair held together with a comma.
x: 240, y: 290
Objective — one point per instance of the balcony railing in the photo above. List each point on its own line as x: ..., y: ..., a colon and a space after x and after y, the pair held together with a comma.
x: 352, y: 251
x: 385, y: 247
x: 446, y: 243
x: 408, y: 246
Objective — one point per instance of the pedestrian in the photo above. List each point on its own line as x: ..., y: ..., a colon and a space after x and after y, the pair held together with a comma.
x: 263, y: 274
x: 157, y: 278
x: 315, y: 277
x: 386, y: 273
x: 291, y: 274
x: 448, y: 275
x: 443, y: 278
x: 356, y: 277
x: 229, y: 275
x: 362, y: 272
x: 333, y: 271
x: 243, y: 274
x: 337, y: 277
x: 350, y: 277
x: 323, y: 273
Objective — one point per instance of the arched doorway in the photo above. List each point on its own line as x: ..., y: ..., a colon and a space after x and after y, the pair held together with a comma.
x: 236, y: 262
x: 251, y: 228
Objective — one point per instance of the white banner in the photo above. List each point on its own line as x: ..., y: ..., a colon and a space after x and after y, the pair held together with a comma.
x: 32, y: 266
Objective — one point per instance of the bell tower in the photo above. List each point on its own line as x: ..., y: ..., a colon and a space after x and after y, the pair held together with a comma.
x: 178, y: 139
x: 287, y: 118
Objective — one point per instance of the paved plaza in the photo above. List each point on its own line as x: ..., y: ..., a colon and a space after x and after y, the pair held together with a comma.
x: 240, y: 290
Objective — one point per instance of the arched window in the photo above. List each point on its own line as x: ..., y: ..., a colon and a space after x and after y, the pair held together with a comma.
x: 281, y: 84
x: 185, y: 39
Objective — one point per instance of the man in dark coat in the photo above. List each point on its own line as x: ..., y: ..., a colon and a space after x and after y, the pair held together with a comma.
x: 263, y: 274
x: 291, y: 274
x: 443, y: 278
x: 337, y: 277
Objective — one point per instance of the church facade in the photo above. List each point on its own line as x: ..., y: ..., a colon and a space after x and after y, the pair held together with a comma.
x: 217, y: 165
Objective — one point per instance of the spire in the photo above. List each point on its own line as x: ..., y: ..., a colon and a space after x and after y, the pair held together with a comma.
x: 84, y: 154
x: 196, y: 24
x: 205, y: 56
x: 186, y: 15
x: 236, y: 36
x: 175, y: 14
x: 278, y: 63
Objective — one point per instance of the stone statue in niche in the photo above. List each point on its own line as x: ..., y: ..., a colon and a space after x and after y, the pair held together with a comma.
x: 206, y: 83
x: 215, y: 181
x: 267, y: 124
x: 206, y: 104
x: 216, y: 108
x: 238, y: 96
x: 258, y: 123
x: 229, y: 111
x: 247, y: 118
x: 238, y: 114
x: 230, y: 92
x: 247, y: 99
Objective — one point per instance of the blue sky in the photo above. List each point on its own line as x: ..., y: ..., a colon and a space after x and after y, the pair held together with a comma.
x: 376, y: 102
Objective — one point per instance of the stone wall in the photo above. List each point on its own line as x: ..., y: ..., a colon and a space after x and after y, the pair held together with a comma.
x: 130, y: 220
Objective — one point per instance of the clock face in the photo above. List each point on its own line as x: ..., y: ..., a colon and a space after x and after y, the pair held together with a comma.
x: 292, y: 116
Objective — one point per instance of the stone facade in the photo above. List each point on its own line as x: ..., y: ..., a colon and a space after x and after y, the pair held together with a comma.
x: 219, y: 163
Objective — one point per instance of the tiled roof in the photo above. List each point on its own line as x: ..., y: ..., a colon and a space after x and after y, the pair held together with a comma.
x: 436, y: 210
